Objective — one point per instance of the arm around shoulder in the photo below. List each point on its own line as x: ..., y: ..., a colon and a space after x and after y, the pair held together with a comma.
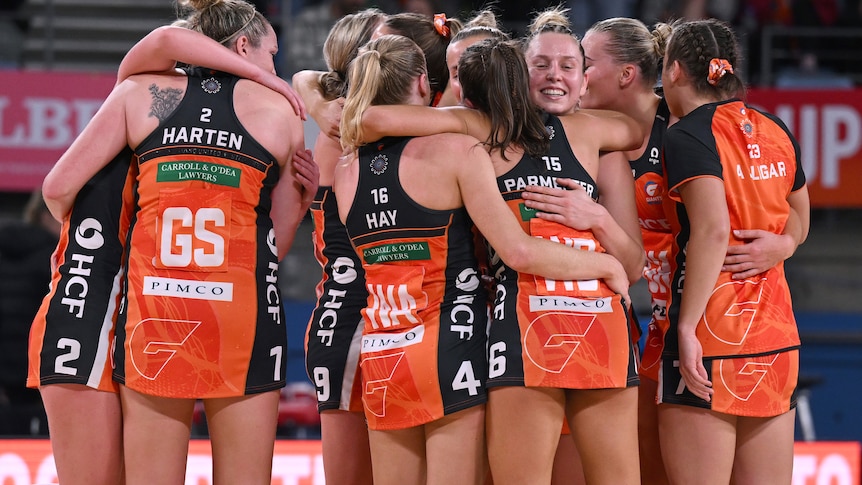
x: 161, y: 49
x: 612, y: 130
x: 413, y: 120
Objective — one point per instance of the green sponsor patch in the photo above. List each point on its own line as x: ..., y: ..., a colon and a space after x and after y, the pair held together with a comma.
x: 180, y: 171
x: 386, y: 253
x: 526, y: 212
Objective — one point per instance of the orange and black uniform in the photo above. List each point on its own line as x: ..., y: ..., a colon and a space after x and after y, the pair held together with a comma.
x: 72, y: 336
x: 423, y: 345
x: 334, y: 331
x: 546, y: 333
x: 748, y: 331
x: 650, y: 191
x: 203, y: 316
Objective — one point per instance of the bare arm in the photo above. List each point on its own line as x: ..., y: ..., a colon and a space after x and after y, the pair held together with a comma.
x: 307, y: 176
x: 763, y: 249
x: 620, y: 233
x: 412, y: 120
x: 326, y: 113
x: 705, y: 203
x: 289, y: 205
x: 291, y: 198
x: 102, y: 138
x: 574, y: 208
x: 161, y: 49
x: 610, y: 130
x: 280, y: 131
x: 800, y: 212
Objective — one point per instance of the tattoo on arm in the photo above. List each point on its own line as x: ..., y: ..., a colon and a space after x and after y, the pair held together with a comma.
x: 165, y: 101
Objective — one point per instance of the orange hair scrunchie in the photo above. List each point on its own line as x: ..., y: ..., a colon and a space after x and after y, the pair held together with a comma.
x: 717, y: 69
x: 440, y: 25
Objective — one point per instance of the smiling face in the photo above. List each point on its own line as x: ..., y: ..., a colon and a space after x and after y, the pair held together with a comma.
x: 604, y: 73
x: 557, y: 79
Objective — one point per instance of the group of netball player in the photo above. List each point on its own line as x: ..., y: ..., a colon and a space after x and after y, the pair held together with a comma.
x: 483, y: 204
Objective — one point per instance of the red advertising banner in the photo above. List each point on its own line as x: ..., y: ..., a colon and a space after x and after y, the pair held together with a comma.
x: 42, y: 112
x: 826, y: 463
x: 29, y: 462
x: 828, y: 125
x: 295, y: 462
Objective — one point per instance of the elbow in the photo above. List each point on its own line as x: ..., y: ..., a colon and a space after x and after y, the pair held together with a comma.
x: 721, y: 231
x: 53, y: 190
x: 159, y: 40
x: 55, y: 193
x: 302, y: 81
x: 803, y: 234
x: 49, y: 191
x: 372, y: 126
x: 641, y: 135
x: 162, y: 36
x: 517, y: 257
x: 717, y: 234
x: 283, y: 242
x: 635, y: 136
x: 636, y: 269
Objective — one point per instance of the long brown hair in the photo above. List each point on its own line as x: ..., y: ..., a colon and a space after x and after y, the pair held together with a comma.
x: 420, y: 29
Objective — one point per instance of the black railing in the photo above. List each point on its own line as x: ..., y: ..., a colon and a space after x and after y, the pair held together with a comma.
x: 832, y: 46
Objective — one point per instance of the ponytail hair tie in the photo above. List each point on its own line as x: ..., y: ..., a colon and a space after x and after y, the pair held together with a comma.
x: 440, y: 25
x: 717, y: 69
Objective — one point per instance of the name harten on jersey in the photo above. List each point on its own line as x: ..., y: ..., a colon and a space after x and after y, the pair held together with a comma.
x: 204, y: 136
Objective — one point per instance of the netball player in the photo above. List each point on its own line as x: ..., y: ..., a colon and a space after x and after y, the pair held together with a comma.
x: 202, y: 315
x: 73, y: 333
x: 730, y: 363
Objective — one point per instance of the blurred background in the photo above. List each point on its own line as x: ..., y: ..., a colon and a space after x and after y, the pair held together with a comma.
x: 803, y: 61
